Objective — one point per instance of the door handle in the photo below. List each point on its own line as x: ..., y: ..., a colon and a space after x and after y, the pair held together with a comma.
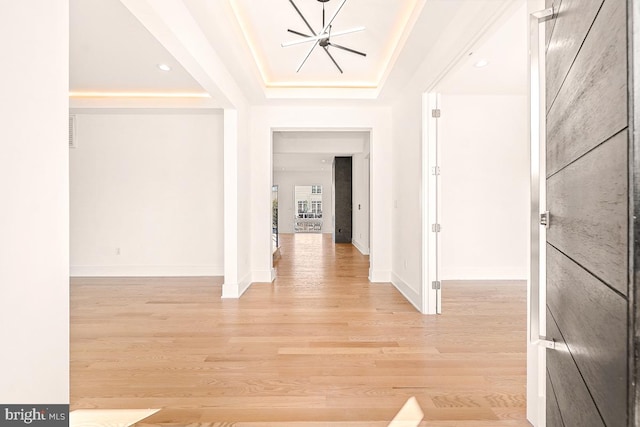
x: 549, y: 343
x: 537, y: 150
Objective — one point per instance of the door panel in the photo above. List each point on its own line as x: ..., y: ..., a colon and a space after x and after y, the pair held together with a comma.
x: 554, y: 419
x: 569, y: 394
x: 593, y: 321
x: 591, y: 105
x: 587, y: 193
x: 577, y: 17
x: 588, y: 202
x: 555, y: 4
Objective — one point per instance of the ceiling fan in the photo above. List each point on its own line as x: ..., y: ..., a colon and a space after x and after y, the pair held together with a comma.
x: 323, y: 37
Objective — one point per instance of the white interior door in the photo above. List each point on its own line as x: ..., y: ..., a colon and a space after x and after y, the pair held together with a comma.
x: 431, y: 284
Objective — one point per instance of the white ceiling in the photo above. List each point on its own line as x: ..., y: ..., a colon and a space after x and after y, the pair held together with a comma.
x: 265, y: 24
x: 313, y: 151
x: 111, y: 51
x: 505, y: 50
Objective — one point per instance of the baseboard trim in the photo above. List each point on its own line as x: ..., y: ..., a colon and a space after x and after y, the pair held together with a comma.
x: 360, y: 247
x: 235, y: 290
x: 411, y: 295
x: 145, y: 270
x: 262, y: 276
x: 378, y: 276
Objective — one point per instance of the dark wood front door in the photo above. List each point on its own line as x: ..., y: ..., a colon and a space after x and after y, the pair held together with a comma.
x: 587, y: 182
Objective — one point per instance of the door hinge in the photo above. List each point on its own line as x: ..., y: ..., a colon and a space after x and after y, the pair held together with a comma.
x: 435, y: 228
x: 435, y: 113
x: 545, y: 219
x: 435, y: 170
x: 436, y: 285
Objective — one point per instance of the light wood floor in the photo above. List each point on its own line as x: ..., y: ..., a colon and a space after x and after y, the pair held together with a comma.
x: 320, y: 346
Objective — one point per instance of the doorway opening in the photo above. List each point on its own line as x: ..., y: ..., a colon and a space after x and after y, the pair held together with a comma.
x: 311, y: 207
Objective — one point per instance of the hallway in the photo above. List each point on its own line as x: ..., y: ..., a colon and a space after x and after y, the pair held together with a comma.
x: 320, y: 344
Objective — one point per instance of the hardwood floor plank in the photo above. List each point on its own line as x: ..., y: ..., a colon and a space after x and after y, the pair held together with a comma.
x: 319, y: 346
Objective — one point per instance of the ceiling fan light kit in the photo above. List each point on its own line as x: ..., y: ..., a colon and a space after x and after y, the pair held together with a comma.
x: 322, y: 38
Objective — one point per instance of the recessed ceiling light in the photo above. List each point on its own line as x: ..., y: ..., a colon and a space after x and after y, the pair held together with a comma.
x: 324, y: 161
x: 164, y: 67
x: 481, y: 63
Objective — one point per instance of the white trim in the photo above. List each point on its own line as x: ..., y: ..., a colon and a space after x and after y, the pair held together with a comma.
x: 235, y: 290
x: 479, y: 277
x: 379, y: 276
x: 536, y: 294
x: 430, y: 296
x: 146, y: 270
x: 359, y: 246
x: 262, y: 276
x: 411, y: 295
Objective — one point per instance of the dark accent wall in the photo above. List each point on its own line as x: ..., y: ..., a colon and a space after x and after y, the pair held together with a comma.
x: 343, y: 199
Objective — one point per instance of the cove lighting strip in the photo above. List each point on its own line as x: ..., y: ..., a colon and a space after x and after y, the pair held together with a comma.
x: 138, y: 95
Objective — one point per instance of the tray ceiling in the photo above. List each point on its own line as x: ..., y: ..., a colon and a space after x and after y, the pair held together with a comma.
x: 265, y: 25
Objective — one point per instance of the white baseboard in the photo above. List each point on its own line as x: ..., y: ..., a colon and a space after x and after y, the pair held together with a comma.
x: 145, y: 270
x: 235, y: 290
x: 262, y: 276
x: 379, y: 276
x: 409, y: 293
x: 363, y: 250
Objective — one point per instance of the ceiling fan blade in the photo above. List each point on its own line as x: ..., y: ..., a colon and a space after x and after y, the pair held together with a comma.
x: 305, y: 40
x: 334, y: 61
x: 324, y: 30
x: 297, y: 33
x: 348, y: 49
x: 349, y: 31
x: 308, y: 54
x: 303, y: 18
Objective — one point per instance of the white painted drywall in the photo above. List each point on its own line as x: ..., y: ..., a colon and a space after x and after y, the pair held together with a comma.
x: 34, y: 230
x: 484, y: 194
x: 322, y: 117
x: 444, y: 61
x: 360, y: 187
x: 147, y: 194
x: 286, y: 181
x: 407, y: 184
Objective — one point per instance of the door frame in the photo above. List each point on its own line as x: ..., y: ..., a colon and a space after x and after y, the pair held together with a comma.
x: 431, y: 298
x: 536, y: 287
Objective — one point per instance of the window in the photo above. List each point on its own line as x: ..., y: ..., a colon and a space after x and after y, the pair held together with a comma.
x: 316, y: 189
x: 302, y: 207
x: 316, y: 207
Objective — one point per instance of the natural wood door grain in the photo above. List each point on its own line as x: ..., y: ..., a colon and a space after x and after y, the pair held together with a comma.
x: 591, y: 104
x: 589, y: 211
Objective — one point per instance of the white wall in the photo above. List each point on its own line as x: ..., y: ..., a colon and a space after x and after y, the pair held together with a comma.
x: 34, y: 230
x: 322, y: 117
x: 286, y: 181
x: 361, y: 187
x: 147, y: 194
x: 407, y: 185
x: 485, y: 182
x: 449, y: 54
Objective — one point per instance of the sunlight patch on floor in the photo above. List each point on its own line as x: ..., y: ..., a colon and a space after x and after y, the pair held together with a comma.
x: 108, y: 417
